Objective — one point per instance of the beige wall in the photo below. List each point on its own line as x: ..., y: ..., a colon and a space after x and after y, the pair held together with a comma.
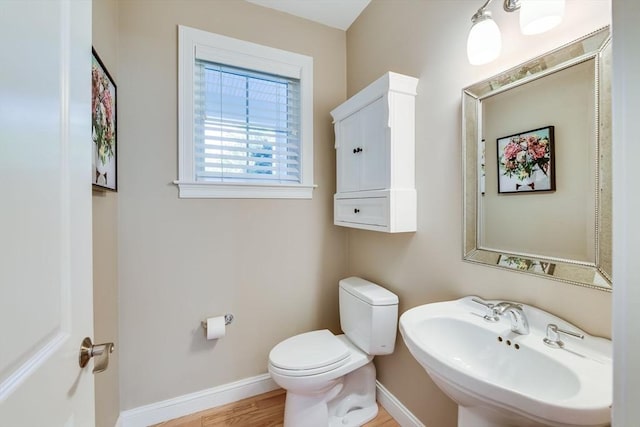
x: 427, y: 39
x: 274, y: 264
x: 558, y: 224
x: 105, y: 231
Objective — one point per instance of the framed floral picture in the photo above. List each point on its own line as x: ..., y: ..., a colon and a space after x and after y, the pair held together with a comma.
x: 103, y: 127
x: 526, y: 163
x: 526, y: 264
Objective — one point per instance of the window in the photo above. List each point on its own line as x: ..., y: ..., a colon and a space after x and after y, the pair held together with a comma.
x: 245, y: 119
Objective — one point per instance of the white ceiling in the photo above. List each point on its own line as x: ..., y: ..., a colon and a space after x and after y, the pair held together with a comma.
x: 334, y: 13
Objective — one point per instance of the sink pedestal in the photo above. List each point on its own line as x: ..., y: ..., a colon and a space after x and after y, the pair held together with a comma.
x: 468, y: 418
x: 471, y: 418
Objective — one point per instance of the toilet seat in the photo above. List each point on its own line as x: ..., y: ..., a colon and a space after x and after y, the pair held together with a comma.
x: 310, y: 353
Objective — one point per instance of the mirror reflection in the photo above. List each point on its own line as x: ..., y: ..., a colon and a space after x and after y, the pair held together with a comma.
x: 537, y: 153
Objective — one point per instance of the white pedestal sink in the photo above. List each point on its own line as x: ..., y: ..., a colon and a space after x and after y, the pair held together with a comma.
x: 502, y: 379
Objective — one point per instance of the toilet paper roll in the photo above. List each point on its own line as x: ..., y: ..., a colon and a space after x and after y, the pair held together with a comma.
x: 215, y: 327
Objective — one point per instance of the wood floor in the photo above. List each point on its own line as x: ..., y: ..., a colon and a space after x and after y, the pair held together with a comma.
x: 265, y: 410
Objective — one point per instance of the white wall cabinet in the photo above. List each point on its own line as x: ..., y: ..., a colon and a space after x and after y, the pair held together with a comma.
x: 375, y: 156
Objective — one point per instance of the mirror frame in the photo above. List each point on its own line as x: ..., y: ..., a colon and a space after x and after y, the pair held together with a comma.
x: 595, y: 46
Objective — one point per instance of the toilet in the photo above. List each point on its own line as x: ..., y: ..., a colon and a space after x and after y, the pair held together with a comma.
x: 330, y: 379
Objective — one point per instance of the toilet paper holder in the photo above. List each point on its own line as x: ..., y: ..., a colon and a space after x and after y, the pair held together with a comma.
x: 228, y: 318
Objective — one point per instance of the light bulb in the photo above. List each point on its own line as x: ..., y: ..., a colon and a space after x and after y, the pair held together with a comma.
x: 538, y: 16
x: 484, y: 42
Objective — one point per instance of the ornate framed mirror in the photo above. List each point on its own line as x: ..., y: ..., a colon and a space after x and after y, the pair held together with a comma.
x: 537, y: 166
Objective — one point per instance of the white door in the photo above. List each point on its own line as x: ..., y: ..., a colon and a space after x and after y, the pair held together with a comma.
x: 45, y: 212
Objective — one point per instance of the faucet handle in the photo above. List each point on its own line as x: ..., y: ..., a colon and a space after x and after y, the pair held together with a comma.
x: 553, y: 336
x: 493, y: 317
x: 479, y: 301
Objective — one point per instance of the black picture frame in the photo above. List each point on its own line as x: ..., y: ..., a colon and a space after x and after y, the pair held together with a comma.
x: 526, y: 162
x: 104, y: 120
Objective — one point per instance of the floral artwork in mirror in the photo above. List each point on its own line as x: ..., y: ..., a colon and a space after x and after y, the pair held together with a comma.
x: 103, y: 126
x: 526, y: 264
x: 526, y: 162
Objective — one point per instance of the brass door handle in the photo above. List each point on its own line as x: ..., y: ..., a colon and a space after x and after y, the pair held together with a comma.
x: 100, y: 351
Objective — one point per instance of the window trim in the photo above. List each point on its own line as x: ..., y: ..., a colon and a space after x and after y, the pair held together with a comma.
x: 239, y: 53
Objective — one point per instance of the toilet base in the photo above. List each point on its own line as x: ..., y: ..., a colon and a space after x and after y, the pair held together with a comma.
x: 350, y: 401
x: 355, y: 418
x: 307, y: 410
x: 356, y: 403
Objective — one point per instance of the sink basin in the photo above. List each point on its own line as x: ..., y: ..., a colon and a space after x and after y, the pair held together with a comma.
x: 499, y: 378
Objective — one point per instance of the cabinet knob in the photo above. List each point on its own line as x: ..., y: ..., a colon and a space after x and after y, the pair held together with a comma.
x: 357, y: 150
x: 356, y: 210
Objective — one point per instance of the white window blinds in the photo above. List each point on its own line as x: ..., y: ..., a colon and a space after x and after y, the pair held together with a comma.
x: 246, y: 125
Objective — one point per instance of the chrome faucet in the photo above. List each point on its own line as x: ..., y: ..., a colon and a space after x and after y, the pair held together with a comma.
x: 519, y: 322
x: 492, y: 316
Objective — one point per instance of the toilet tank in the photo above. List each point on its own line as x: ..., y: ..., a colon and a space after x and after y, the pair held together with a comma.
x: 368, y: 315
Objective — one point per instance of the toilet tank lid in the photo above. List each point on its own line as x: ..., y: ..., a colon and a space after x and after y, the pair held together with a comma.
x: 368, y: 292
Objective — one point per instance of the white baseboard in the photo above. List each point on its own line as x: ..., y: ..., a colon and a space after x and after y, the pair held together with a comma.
x: 395, y: 408
x: 195, y: 402
x: 227, y: 393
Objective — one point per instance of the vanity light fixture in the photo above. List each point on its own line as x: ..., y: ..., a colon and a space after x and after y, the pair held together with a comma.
x: 485, y: 41
x: 536, y: 16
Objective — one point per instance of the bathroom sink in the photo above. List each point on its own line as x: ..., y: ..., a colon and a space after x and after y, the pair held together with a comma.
x: 502, y: 378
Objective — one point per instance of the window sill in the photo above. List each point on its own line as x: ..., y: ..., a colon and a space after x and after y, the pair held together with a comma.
x: 209, y: 190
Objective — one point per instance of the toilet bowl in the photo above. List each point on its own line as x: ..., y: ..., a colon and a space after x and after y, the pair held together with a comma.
x: 330, y: 379
x: 317, y: 386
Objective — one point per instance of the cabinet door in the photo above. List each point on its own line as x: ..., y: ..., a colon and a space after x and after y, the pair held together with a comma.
x: 348, y: 155
x: 374, y: 158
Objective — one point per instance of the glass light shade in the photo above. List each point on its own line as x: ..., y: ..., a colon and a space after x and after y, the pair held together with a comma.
x: 484, y: 42
x: 538, y: 16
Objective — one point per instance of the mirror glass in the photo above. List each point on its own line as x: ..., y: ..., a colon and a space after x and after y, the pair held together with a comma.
x: 537, y: 165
